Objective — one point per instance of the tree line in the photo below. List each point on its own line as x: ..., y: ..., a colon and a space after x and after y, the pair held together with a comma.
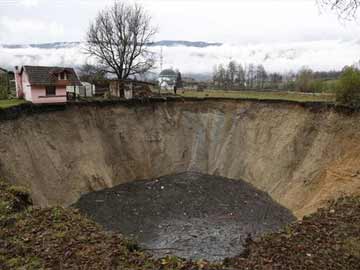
x: 235, y: 76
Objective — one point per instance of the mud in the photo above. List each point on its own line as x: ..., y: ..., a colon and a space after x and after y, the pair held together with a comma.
x: 190, y: 215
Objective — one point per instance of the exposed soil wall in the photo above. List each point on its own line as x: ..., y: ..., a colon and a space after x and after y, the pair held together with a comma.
x: 300, y: 155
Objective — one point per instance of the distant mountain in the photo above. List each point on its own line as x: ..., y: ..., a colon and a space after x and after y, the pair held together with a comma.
x: 174, y: 43
x: 64, y: 45
x: 53, y: 45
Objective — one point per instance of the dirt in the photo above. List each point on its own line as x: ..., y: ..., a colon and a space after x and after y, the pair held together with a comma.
x: 189, y: 215
x: 302, y: 156
x: 328, y: 239
x: 60, y: 238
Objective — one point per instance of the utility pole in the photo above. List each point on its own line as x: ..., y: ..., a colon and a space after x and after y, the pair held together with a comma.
x: 161, y: 59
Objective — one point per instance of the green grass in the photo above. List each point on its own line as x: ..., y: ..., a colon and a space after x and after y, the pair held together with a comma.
x: 262, y: 95
x: 7, y: 103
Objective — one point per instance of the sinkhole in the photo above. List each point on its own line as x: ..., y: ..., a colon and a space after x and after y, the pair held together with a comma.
x: 190, y: 215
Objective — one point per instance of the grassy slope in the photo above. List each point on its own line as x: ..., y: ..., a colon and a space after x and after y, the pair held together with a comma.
x: 6, y: 103
x: 261, y: 95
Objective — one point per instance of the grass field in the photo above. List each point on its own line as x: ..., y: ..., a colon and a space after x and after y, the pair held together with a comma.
x: 6, y: 103
x: 261, y: 95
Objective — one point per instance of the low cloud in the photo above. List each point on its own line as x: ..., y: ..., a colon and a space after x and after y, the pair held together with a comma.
x: 280, y: 57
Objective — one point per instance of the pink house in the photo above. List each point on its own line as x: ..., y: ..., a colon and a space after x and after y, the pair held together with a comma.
x: 44, y: 84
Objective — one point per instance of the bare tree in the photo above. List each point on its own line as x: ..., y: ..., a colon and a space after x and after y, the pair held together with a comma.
x: 260, y: 76
x: 232, y: 66
x: 118, y: 38
x: 240, y: 78
x: 346, y: 9
x: 250, y: 75
x: 221, y: 75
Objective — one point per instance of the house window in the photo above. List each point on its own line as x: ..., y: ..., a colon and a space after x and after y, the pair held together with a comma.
x: 50, y: 91
x: 62, y: 76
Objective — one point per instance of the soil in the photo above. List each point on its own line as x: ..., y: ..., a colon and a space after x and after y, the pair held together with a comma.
x: 60, y: 238
x: 190, y: 215
x: 328, y: 239
x: 303, y: 156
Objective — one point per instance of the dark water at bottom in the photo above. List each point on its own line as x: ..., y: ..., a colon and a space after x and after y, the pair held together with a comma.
x: 189, y: 215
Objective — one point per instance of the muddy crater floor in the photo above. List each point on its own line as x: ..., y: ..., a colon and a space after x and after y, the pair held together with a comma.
x: 190, y: 215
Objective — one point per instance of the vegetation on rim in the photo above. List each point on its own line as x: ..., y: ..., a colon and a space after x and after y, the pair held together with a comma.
x: 348, y: 90
x: 262, y: 95
x: 7, y: 103
x: 4, y: 86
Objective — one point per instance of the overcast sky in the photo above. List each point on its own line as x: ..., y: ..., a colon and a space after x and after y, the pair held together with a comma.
x: 227, y: 21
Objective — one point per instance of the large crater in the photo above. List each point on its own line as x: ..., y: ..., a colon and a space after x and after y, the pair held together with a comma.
x: 300, y: 155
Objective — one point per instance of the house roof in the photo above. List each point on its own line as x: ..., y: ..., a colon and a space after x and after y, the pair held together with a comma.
x: 168, y: 73
x: 3, y: 70
x: 40, y: 75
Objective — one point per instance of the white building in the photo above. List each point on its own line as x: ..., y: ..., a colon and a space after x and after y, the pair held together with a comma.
x: 85, y: 90
x: 167, y: 79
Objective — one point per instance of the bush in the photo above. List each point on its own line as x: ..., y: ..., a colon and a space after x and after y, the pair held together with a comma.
x: 316, y: 86
x: 4, y: 86
x: 303, y: 80
x: 348, y: 89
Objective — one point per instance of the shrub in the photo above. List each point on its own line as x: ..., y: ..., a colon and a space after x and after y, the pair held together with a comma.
x: 316, y: 86
x: 304, y: 80
x: 4, y: 86
x: 348, y: 89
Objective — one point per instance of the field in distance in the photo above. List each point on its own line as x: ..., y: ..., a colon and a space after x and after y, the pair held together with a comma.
x: 261, y: 95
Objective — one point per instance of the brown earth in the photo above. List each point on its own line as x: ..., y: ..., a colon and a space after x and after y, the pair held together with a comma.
x: 59, y: 238
x: 301, y: 155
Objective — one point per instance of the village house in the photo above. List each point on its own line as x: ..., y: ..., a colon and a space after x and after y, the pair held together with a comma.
x: 40, y: 84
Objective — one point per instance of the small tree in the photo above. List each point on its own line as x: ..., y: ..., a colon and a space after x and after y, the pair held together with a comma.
x: 221, y: 75
x: 4, y: 86
x: 261, y: 76
x: 119, y: 38
x: 240, y: 77
x: 348, y: 89
x: 232, y: 70
x: 251, y: 75
x: 303, y: 80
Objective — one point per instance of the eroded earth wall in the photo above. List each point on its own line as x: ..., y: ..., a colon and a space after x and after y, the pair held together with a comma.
x: 301, y: 156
